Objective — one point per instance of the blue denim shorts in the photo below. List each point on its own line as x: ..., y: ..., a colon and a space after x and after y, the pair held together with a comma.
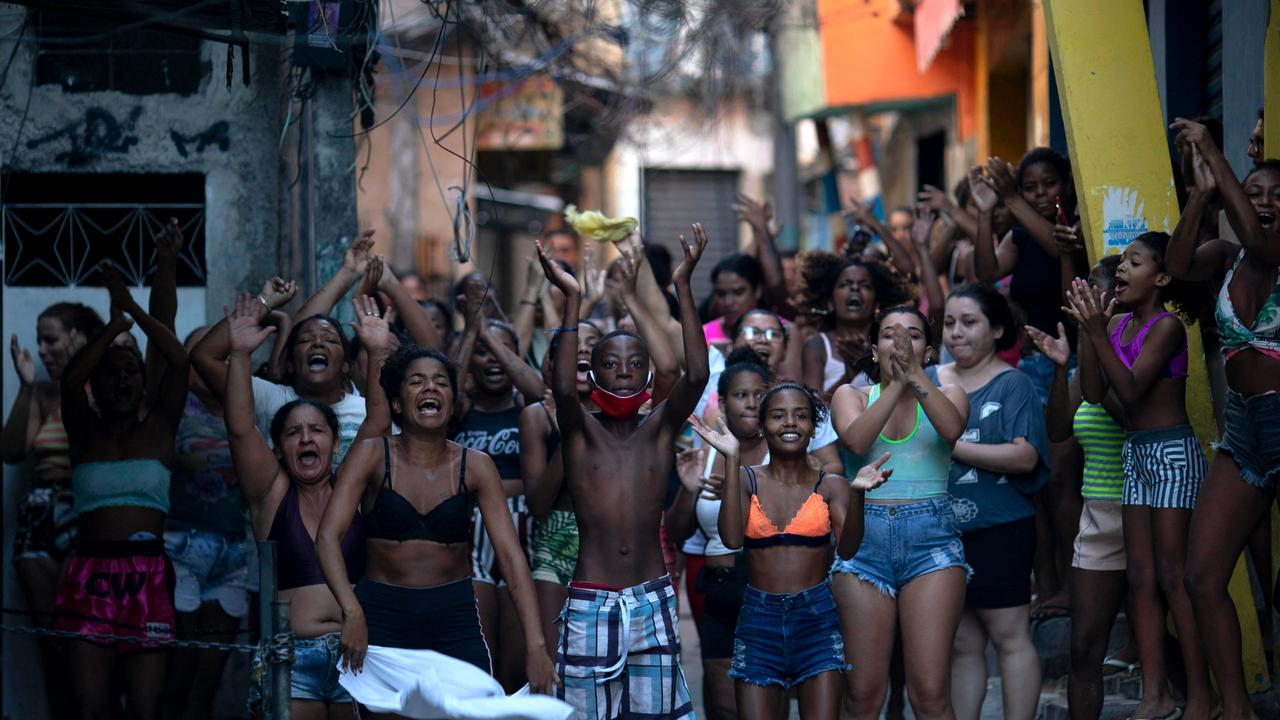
x: 902, y: 542
x: 315, y: 672
x: 1252, y: 437
x: 1041, y: 369
x: 785, y: 639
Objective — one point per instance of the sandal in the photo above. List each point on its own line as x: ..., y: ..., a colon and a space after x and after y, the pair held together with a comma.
x: 1177, y: 713
x: 1118, y: 666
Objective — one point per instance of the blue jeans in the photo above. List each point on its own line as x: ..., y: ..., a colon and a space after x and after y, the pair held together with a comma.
x: 1041, y: 370
x: 785, y: 639
x: 902, y: 542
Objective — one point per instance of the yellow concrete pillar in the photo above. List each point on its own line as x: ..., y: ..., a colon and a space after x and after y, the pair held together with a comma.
x: 1124, y: 182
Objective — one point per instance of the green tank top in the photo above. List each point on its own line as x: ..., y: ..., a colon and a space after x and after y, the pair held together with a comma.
x: 1103, y: 441
x: 921, y: 461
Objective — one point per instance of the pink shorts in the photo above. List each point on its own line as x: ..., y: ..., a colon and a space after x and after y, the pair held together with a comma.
x: 121, y: 589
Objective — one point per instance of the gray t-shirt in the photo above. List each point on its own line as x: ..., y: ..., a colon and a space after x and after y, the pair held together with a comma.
x: 1000, y: 411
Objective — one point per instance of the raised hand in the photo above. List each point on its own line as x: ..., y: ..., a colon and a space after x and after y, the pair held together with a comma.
x: 980, y: 189
x: 170, y: 240
x: 277, y: 292
x: 1201, y: 173
x: 924, y: 217
x: 692, y: 253
x: 1000, y: 176
x: 871, y: 476
x: 859, y: 210
x: 1067, y: 238
x: 371, y: 327
x: 592, y: 278
x: 934, y: 199
x: 631, y: 255
x: 22, y: 362
x: 372, y: 277
x: 720, y: 438
x: 689, y: 464
x: 1085, y: 306
x: 1057, y: 349
x: 356, y: 258
x: 756, y: 214
x: 1192, y: 133
x: 121, y: 301
x: 567, y: 283
x: 243, y: 330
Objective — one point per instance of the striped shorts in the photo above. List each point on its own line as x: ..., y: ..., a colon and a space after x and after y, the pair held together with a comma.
x: 1163, y: 468
x: 484, y: 559
x: 619, y: 653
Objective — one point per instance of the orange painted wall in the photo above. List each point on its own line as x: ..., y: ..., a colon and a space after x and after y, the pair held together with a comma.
x: 868, y: 57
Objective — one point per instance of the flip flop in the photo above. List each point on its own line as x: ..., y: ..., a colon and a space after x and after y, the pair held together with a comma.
x: 1119, y: 667
x: 1177, y: 713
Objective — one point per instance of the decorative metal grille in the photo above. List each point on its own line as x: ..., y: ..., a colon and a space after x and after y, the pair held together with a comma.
x: 62, y: 245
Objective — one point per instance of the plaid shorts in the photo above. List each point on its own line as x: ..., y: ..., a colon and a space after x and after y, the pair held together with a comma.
x: 619, y: 653
x: 1163, y: 468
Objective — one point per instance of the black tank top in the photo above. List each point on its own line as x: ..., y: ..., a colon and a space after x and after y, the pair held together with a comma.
x: 393, y: 517
x: 496, y: 434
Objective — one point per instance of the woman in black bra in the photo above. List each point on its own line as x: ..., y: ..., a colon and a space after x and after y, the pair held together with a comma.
x: 287, y: 489
x: 417, y: 592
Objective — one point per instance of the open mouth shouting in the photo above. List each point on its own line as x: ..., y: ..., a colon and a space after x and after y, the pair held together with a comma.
x: 583, y: 368
x: 317, y: 362
x: 429, y: 407
x: 308, y: 459
x: 1267, y: 219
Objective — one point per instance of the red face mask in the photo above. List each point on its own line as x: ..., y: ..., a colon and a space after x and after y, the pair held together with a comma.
x: 619, y: 407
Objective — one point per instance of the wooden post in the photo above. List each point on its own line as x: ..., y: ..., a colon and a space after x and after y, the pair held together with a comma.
x: 1124, y: 182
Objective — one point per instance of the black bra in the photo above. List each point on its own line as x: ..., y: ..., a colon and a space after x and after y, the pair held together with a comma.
x: 395, y: 518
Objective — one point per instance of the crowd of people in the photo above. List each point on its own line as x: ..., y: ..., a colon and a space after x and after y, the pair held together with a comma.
x: 866, y: 467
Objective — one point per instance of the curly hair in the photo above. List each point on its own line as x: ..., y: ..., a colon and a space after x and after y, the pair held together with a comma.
x: 1190, y: 300
x: 817, y: 408
x: 819, y: 272
x: 739, y: 361
x: 391, y: 378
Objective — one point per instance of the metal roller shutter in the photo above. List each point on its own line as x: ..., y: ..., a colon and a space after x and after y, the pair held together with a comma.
x: 675, y: 199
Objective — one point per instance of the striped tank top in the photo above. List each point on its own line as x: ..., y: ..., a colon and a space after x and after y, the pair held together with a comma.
x: 1102, y: 441
x: 52, y: 451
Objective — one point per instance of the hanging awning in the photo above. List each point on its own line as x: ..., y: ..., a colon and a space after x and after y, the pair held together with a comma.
x: 933, y: 22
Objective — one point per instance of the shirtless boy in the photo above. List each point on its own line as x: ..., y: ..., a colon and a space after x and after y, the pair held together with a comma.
x: 619, y: 643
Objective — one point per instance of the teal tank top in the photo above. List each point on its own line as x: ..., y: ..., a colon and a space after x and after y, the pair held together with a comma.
x: 921, y: 461
x: 1102, y: 441
x: 121, y: 483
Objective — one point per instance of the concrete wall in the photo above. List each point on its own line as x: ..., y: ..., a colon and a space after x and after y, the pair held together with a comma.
x: 675, y: 135
x: 242, y: 210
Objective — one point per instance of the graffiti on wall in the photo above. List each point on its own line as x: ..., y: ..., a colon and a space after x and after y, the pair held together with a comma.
x: 92, y: 136
x: 216, y: 134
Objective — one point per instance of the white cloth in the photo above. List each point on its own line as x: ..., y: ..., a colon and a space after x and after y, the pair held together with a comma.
x: 426, y: 685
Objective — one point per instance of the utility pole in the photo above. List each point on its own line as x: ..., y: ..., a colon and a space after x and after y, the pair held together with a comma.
x: 330, y: 194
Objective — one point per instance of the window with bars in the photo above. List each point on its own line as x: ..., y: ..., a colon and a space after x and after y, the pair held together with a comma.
x: 58, y: 228
x: 82, y: 54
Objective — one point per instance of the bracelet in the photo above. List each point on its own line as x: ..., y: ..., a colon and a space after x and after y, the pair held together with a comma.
x: 528, y: 302
x: 573, y: 329
x: 264, y: 302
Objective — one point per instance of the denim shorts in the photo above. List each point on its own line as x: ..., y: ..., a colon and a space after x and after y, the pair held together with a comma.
x: 314, y: 675
x: 1252, y: 437
x: 785, y: 639
x: 209, y: 566
x: 902, y: 542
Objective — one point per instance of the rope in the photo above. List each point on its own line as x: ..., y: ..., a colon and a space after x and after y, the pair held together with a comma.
x: 52, y: 615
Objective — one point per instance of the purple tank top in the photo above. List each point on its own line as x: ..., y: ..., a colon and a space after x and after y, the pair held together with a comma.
x: 1128, y: 352
x: 296, y: 563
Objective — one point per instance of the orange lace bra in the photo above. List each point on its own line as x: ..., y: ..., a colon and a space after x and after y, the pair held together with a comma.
x: 810, y: 527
